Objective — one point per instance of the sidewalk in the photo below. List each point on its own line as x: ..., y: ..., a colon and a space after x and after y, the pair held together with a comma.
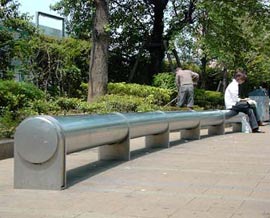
x: 224, y: 176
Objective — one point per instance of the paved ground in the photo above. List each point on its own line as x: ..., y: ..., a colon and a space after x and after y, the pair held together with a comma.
x: 216, y: 177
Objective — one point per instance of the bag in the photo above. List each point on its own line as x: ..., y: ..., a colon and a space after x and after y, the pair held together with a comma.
x: 241, y: 105
x: 245, y: 125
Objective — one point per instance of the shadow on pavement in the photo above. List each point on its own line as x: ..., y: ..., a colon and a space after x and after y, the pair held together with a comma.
x: 84, y: 172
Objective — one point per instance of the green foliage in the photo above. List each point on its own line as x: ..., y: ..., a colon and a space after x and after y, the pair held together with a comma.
x: 156, y: 95
x: 16, y: 104
x: 58, y: 66
x: 16, y: 95
x: 126, y: 103
x: 15, y: 31
x: 67, y: 104
x: 165, y: 80
x: 83, y: 91
x: 23, y: 99
x: 7, y: 124
x: 43, y: 106
x: 208, y: 99
x: 130, y: 17
x: 79, y: 14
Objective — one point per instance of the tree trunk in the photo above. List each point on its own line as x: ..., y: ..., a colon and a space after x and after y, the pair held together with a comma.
x: 203, y: 72
x: 133, y: 71
x: 156, y: 47
x: 176, y: 58
x: 224, y: 79
x: 98, y: 67
x: 169, y: 56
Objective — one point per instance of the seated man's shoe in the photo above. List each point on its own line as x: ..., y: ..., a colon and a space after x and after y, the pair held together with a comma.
x: 260, y: 123
x: 257, y: 131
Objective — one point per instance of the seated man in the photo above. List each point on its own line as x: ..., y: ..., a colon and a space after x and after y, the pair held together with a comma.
x: 254, y: 107
x: 236, y: 105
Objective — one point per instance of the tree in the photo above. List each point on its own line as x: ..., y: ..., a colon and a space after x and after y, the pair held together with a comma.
x: 130, y: 29
x: 229, y: 38
x: 208, y: 30
x: 89, y: 19
x: 98, y: 68
x: 217, y: 32
x: 57, y: 66
x: 14, y: 30
x: 156, y: 46
x: 79, y: 16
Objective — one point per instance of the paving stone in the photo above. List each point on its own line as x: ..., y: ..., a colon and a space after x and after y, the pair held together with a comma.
x: 224, y: 176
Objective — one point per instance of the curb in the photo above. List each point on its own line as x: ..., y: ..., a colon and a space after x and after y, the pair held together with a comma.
x: 6, y: 148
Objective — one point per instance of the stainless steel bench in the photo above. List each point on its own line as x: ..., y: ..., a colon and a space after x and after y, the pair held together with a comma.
x: 42, y: 142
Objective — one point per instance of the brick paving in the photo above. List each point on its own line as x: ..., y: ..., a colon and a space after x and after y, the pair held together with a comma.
x: 224, y: 176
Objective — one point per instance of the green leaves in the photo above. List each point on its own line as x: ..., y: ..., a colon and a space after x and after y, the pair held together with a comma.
x: 159, y: 96
x: 79, y: 14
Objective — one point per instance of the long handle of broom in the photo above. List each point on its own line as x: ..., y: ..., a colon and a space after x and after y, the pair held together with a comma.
x: 171, y: 101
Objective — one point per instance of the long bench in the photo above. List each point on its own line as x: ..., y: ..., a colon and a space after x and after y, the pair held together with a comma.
x: 42, y: 142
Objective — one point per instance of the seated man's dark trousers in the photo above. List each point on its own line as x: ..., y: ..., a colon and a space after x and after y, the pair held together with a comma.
x: 248, y: 111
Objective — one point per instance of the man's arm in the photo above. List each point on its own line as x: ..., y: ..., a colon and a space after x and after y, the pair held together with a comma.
x: 195, y: 77
x: 177, y: 80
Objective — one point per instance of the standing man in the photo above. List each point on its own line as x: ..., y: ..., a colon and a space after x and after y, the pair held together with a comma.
x: 185, y: 80
x: 236, y: 105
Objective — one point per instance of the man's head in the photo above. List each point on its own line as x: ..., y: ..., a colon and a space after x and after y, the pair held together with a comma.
x: 177, y: 69
x: 240, y: 76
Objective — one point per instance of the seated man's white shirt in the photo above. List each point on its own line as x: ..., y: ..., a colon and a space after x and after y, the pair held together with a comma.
x: 231, y: 94
x: 252, y: 102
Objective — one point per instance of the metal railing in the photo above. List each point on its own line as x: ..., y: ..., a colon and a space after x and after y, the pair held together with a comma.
x: 42, y: 142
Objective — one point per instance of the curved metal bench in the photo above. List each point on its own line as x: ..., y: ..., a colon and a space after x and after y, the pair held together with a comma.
x: 42, y: 142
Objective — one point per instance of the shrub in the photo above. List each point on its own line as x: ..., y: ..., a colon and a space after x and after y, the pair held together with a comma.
x: 7, y: 124
x: 15, y: 95
x: 10, y: 119
x: 83, y: 91
x: 67, y: 104
x: 42, y: 106
x: 124, y: 98
x: 65, y: 60
x: 126, y: 103
x: 160, y: 96
x: 16, y: 104
x: 165, y: 81
x: 208, y: 99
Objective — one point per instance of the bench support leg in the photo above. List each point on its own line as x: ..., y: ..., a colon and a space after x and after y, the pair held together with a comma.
x: 49, y: 175
x: 191, y: 134
x: 237, y: 127
x: 158, y: 140
x: 216, y: 130
x: 119, y: 151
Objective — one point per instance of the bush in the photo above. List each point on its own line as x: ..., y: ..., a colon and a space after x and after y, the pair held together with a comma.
x: 67, y: 104
x: 209, y: 99
x: 7, y: 124
x: 165, y: 81
x: 16, y: 95
x: 9, y: 120
x: 42, y: 106
x: 126, y: 103
x: 157, y: 96
x: 26, y: 100
x: 108, y: 104
x: 17, y: 99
